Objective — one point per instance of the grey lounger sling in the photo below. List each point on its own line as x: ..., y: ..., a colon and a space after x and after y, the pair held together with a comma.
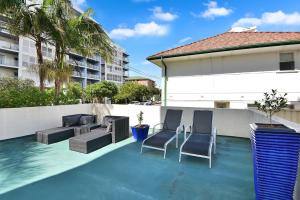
x: 202, y: 137
x: 171, y: 129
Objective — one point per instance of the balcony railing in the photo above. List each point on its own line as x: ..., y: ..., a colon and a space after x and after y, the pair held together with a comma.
x: 78, y: 74
x: 97, y: 58
x: 76, y: 63
x: 8, y: 45
x: 9, y: 62
x: 126, y: 59
x: 125, y: 74
x: 91, y: 66
x: 93, y: 76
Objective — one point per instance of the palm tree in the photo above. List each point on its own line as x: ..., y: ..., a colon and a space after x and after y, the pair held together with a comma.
x: 70, y: 32
x: 28, y: 20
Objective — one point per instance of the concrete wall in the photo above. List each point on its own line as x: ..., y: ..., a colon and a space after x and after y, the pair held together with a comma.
x: 17, y: 122
x: 239, y: 79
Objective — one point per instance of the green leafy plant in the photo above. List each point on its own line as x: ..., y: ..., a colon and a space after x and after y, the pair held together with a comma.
x: 16, y: 93
x: 97, y: 91
x: 272, y: 103
x: 132, y: 92
x: 140, y: 118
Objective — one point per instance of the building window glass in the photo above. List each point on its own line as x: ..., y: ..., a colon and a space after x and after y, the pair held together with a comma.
x: 287, y: 61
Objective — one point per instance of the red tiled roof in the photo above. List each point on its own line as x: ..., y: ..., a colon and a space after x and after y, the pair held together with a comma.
x: 231, y: 41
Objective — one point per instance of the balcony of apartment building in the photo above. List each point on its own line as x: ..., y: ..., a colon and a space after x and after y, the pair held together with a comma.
x: 125, y: 67
x: 125, y: 74
x: 93, y: 76
x: 125, y: 60
x: 3, y: 30
x: 8, y: 62
x: 78, y: 74
x: 93, y: 67
x: 77, y: 63
x: 9, y: 47
x: 94, y: 58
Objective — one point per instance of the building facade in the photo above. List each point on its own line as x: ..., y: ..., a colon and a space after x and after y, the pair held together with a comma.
x: 18, y: 55
x: 141, y: 80
x: 231, y: 70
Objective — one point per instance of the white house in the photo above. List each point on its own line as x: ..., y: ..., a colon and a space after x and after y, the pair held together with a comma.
x: 232, y: 69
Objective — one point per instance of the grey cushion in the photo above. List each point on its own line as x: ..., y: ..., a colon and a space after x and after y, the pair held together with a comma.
x: 86, y: 120
x: 71, y: 120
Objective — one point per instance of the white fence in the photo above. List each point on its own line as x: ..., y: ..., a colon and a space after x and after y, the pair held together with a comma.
x: 17, y: 122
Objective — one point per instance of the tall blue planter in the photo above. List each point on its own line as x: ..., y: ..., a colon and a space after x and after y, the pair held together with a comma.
x: 275, y: 161
x: 140, y: 133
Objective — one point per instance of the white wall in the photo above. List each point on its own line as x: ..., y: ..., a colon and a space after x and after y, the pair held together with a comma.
x: 240, y: 79
x: 17, y: 122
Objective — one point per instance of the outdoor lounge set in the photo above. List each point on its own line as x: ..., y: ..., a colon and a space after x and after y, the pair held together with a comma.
x: 200, y: 141
x: 85, y: 134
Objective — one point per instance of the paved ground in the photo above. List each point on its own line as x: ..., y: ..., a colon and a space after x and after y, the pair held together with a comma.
x: 29, y: 170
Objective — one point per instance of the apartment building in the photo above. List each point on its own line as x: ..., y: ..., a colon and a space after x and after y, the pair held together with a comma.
x: 18, y: 55
x: 231, y: 70
x: 117, y: 70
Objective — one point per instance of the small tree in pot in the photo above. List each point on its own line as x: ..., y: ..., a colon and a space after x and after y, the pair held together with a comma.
x: 140, y: 131
x: 272, y: 103
x: 274, y: 145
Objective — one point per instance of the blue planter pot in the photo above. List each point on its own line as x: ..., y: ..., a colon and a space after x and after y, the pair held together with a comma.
x: 275, y: 160
x: 140, y: 133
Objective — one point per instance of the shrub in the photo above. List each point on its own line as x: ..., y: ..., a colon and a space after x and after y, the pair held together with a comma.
x: 71, y: 94
x: 21, y: 93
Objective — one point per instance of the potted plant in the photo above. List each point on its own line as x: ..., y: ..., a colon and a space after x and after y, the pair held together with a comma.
x: 140, y: 131
x: 275, y: 149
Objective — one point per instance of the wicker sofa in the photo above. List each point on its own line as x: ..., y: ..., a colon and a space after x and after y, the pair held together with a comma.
x: 112, y: 130
x: 71, y: 126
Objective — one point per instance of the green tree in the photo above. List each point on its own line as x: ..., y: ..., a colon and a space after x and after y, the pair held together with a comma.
x: 131, y: 91
x: 272, y: 103
x: 98, y: 91
x: 28, y: 20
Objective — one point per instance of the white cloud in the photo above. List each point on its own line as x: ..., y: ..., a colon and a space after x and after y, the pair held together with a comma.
x: 184, y: 40
x: 140, y: 29
x: 158, y: 13
x: 270, y: 18
x: 213, y: 11
x: 79, y: 3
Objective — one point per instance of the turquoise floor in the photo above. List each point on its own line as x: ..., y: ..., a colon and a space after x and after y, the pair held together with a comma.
x: 29, y: 170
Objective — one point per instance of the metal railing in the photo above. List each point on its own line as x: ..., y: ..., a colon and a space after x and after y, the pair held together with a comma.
x: 76, y: 62
x: 8, y: 45
x: 78, y: 74
x: 93, y: 76
x: 91, y: 66
x: 9, y: 62
x: 126, y: 59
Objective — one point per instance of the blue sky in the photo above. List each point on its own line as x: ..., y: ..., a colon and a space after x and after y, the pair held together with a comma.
x: 145, y: 27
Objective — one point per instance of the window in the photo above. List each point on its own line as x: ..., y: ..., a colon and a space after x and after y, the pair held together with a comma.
x: 287, y: 61
x: 222, y: 104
